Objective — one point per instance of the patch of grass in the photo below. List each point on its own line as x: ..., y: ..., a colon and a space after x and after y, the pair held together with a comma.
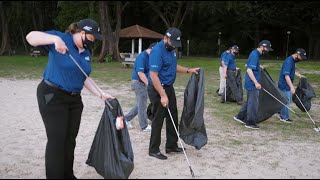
x: 114, y: 74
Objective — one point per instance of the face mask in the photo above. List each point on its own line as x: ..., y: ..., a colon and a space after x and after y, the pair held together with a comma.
x: 236, y: 53
x: 264, y: 52
x: 169, y: 47
x: 296, y: 60
x: 87, y: 44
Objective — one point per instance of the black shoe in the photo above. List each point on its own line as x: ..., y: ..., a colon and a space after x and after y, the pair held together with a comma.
x: 222, y: 100
x: 177, y: 150
x: 158, y: 155
x: 252, y: 126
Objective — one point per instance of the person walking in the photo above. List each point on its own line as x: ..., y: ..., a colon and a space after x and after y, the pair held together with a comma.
x: 221, y: 72
x: 59, y: 92
x: 139, y: 85
x: 286, y: 78
x: 229, y: 74
x: 162, y: 74
x: 248, y: 114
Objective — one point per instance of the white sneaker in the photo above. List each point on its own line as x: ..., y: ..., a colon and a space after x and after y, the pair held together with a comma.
x: 129, y: 125
x: 147, y: 129
x: 239, y: 120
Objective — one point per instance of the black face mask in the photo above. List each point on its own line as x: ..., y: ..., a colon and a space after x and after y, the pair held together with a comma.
x: 296, y: 60
x: 169, y: 47
x: 264, y: 52
x: 236, y: 53
x: 87, y: 44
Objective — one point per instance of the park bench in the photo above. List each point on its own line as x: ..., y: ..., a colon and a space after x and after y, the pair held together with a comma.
x: 35, y: 53
x: 128, y: 59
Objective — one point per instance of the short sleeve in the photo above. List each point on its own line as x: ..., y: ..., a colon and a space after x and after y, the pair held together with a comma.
x: 155, y: 62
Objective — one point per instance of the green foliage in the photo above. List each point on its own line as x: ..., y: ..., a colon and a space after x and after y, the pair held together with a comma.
x: 108, y: 58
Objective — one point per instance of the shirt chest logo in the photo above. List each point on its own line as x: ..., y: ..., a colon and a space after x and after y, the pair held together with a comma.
x: 87, y: 58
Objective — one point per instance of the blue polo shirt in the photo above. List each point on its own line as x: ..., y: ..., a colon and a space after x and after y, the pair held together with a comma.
x: 230, y: 62
x: 141, y: 64
x: 61, y: 70
x: 288, y: 68
x: 164, y: 62
x: 223, y: 56
x: 254, y: 64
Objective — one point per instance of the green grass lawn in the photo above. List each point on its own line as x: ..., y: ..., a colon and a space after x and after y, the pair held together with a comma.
x: 26, y: 67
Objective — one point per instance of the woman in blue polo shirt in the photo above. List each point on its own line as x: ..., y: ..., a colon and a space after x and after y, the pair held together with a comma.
x: 58, y: 94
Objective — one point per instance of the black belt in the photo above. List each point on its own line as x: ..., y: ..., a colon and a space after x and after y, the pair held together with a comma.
x: 165, y: 85
x: 61, y: 90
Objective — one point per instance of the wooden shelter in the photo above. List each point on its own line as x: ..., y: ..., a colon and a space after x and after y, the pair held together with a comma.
x: 140, y: 32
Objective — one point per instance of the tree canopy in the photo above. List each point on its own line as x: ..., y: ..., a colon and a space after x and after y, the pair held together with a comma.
x: 244, y: 23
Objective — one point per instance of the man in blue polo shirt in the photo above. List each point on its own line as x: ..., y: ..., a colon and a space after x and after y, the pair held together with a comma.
x: 286, y: 78
x: 139, y: 85
x: 249, y: 110
x: 162, y: 74
x: 222, y: 78
x: 229, y: 73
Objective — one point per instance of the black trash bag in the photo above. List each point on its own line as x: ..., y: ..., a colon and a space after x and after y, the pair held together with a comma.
x: 192, y: 128
x: 111, y: 152
x: 230, y: 96
x: 268, y: 106
x: 305, y: 93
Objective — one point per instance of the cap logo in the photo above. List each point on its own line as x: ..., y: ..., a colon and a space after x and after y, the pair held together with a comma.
x: 264, y: 44
x: 168, y: 34
x: 305, y: 54
x: 87, y: 28
x: 98, y: 29
x: 178, y: 38
x: 298, y: 52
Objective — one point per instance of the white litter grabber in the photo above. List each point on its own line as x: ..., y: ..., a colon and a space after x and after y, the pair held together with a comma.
x: 191, y: 171
x: 280, y: 101
x: 316, y: 127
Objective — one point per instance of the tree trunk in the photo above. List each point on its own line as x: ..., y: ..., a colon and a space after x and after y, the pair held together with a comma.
x: 104, y: 24
x: 116, y: 53
x: 23, y: 39
x: 4, y: 31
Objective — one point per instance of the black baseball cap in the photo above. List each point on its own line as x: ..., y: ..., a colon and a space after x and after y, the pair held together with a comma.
x: 302, y: 53
x: 151, y: 45
x: 266, y: 44
x: 174, y: 35
x: 90, y: 26
x: 235, y: 47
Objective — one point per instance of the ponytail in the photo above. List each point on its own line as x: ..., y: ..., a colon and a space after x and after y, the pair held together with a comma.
x: 73, y: 28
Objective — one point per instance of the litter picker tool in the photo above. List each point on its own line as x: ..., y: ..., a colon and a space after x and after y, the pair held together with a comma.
x: 191, y: 171
x: 316, y: 127
x: 87, y: 76
x: 225, y: 91
x: 280, y: 102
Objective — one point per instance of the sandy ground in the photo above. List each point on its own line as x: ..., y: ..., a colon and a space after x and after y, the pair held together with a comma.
x: 235, y: 153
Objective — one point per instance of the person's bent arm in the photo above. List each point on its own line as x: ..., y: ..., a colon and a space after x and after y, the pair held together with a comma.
x: 288, y: 80
x: 254, y: 80
x: 143, y: 77
x: 157, y: 84
x: 94, y: 89
x: 182, y: 69
x: 38, y: 38
x: 298, y: 74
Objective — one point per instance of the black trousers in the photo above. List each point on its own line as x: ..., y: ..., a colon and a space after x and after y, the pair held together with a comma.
x: 159, y: 114
x: 61, y: 115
